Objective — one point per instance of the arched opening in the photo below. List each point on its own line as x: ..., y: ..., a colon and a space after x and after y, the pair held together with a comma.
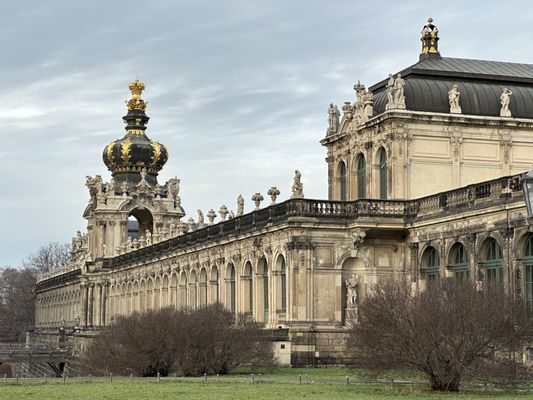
x: 429, y: 264
x: 230, y: 288
x: 157, y: 293
x: 459, y: 262
x: 203, y: 287
x: 341, y: 181
x: 149, y: 295
x: 139, y: 222
x: 528, y: 271
x: 360, y: 174
x: 491, y: 264
x: 247, y: 288
x: 281, y: 297
x: 193, y: 290
x: 174, y: 290
x: 383, y: 173
x: 213, y: 285
x: 183, y: 290
x: 261, y: 302
x: 142, y: 296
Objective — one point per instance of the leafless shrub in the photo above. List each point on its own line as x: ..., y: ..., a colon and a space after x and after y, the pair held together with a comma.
x: 449, y: 332
x: 207, y: 340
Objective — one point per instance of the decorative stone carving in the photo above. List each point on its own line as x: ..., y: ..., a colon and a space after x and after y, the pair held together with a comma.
x: 240, y: 205
x: 200, y: 219
x: 395, y: 93
x: 190, y: 224
x: 124, y: 188
x: 352, y: 284
x: 257, y: 198
x: 363, y: 108
x: 223, y: 212
x: 211, y: 215
x: 273, y: 192
x: 347, y: 111
x: 297, y: 186
x: 505, y: 99
x: 148, y: 238
x: 180, y: 228
x: 333, y: 119
x: 454, y: 99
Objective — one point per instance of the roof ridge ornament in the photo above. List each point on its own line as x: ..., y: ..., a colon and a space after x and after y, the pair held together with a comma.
x: 136, y: 103
x: 430, y: 40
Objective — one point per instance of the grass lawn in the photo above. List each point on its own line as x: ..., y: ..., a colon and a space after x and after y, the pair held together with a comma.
x: 286, y: 386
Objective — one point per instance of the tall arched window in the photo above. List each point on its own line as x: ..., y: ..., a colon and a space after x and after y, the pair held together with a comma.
x: 203, y: 287
x: 459, y: 262
x: 528, y: 271
x: 261, y: 303
x: 383, y: 171
x: 341, y: 180
x: 430, y: 264
x: 282, y: 282
x: 361, y: 176
x: 247, y: 288
x: 213, y: 284
x: 193, y: 290
x: 492, y: 263
x: 230, y: 288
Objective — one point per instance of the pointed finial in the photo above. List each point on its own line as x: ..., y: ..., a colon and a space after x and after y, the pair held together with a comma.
x: 136, y: 103
x: 430, y: 39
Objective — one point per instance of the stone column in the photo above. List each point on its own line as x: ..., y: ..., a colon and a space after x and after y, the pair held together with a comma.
x: 103, y: 303
x: 97, y: 304
x: 84, y: 305
x: 90, y: 305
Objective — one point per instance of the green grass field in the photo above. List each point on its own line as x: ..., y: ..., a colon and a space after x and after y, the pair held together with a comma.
x: 275, y: 384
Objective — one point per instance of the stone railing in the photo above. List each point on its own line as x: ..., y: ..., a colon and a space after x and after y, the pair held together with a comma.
x: 72, y: 266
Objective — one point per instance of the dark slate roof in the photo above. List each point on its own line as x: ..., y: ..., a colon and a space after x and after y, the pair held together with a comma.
x: 480, y: 83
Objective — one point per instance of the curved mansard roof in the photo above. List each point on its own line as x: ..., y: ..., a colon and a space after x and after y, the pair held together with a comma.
x: 480, y: 82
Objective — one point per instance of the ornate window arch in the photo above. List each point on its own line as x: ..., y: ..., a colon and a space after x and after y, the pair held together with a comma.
x: 430, y: 263
x: 360, y: 173
x: 491, y: 255
x: 342, y: 181
x: 459, y: 261
x: 383, y: 173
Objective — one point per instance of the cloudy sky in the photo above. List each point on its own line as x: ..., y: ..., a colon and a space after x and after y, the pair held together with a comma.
x: 238, y: 91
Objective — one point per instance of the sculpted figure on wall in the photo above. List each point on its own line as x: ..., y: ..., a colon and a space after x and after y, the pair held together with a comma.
x: 395, y: 93
x: 505, y: 99
x: 240, y: 205
x: 333, y: 119
x: 454, y: 98
x: 297, y: 186
x: 352, y: 284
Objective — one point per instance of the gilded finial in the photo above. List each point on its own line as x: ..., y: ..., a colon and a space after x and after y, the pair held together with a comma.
x: 429, y: 40
x: 136, y: 103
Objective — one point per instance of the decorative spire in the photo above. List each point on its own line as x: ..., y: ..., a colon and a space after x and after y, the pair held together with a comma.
x: 136, y: 103
x: 430, y: 40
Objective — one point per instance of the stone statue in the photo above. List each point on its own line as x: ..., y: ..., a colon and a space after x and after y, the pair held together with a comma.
x: 240, y: 205
x: 257, y: 198
x: 390, y: 93
x: 211, y: 215
x: 505, y: 99
x: 333, y: 118
x: 148, y: 238
x: 399, y: 97
x: 200, y: 219
x: 77, y: 322
x: 124, y: 188
x: 351, y: 291
x: 174, y: 187
x: 110, y: 191
x: 223, y: 211
x: 453, y: 98
x: 297, y: 186
x: 395, y: 93
x: 363, y: 108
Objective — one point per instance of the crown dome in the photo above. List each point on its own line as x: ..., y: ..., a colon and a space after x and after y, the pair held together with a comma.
x: 126, y: 158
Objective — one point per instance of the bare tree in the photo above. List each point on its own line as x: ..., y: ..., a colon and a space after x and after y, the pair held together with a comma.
x: 17, y: 301
x: 448, y: 332
x: 49, y: 257
x: 209, y: 339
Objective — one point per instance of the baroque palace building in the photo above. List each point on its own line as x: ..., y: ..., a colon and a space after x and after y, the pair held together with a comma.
x: 424, y: 182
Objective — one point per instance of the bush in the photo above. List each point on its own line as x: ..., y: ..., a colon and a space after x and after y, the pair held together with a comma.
x: 448, y: 332
x: 207, y: 340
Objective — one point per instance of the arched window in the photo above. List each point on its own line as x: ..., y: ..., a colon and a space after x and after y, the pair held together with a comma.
x: 459, y: 262
x: 193, y: 290
x: 261, y: 303
x: 430, y: 264
x: 383, y: 171
x: 528, y: 271
x: 230, y: 288
x: 248, y: 288
x: 341, y: 180
x: 213, y: 282
x: 492, y: 264
x: 282, y: 282
x: 361, y: 176
x: 183, y: 290
x: 203, y: 287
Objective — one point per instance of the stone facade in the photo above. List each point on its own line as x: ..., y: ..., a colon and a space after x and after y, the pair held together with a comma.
x: 412, y: 193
